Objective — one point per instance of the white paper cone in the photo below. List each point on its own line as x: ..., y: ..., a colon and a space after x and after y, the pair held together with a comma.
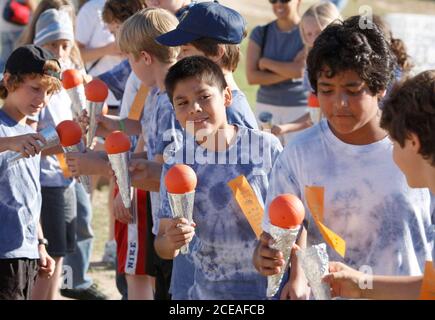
x: 315, y: 263
x: 94, y: 110
x: 182, y: 207
x: 119, y: 163
x: 78, y: 99
x: 84, y: 180
x: 284, y: 241
x: 52, y: 140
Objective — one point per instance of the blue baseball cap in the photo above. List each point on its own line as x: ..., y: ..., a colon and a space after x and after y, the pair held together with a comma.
x: 207, y: 20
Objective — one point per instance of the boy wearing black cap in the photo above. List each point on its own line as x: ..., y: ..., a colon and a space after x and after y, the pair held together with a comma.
x: 31, y: 76
x: 215, y: 31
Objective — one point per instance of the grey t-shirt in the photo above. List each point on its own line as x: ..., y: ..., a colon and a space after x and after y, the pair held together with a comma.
x: 280, y: 46
x: 20, y: 197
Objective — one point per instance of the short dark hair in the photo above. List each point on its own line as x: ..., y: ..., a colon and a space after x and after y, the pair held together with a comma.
x: 345, y: 46
x: 197, y: 67
x: 121, y: 10
x: 410, y: 108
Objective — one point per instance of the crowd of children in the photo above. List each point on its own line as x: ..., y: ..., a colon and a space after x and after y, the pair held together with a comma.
x: 170, y: 68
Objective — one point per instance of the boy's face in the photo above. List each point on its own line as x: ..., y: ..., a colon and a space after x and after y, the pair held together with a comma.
x: 199, y: 107
x: 187, y: 50
x: 141, y: 69
x: 170, y: 5
x: 30, y: 96
x: 60, y: 49
x: 114, y: 27
x: 409, y: 160
x: 346, y: 101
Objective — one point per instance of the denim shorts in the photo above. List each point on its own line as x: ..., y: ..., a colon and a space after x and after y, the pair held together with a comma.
x: 58, y: 219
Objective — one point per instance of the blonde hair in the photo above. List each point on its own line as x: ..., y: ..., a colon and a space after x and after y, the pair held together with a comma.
x: 15, y: 80
x: 138, y: 34
x: 28, y: 35
x: 324, y: 13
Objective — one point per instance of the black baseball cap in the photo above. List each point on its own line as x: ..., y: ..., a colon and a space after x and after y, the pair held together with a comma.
x: 30, y: 59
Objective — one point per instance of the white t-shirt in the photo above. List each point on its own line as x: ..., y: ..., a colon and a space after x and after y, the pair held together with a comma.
x: 386, y: 224
x: 92, y: 32
x: 131, y: 88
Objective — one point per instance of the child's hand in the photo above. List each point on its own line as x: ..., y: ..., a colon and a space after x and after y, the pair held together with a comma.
x: 121, y: 213
x: 266, y: 260
x: 46, y: 263
x: 277, y: 130
x: 107, y: 123
x: 179, y: 232
x: 27, y: 144
x: 88, y: 163
x: 344, y: 281
x: 83, y: 121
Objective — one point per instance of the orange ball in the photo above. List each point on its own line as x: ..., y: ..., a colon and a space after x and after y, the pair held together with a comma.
x: 313, y: 102
x: 117, y: 142
x: 180, y: 179
x: 69, y: 133
x: 96, y: 91
x: 286, y: 211
x: 71, y: 78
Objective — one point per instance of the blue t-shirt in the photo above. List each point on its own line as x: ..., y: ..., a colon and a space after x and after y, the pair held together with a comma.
x: 239, y: 112
x: 116, y: 78
x: 280, y: 46
x: 367, y: 201
x: 20, y: 198
x: 225, y: 241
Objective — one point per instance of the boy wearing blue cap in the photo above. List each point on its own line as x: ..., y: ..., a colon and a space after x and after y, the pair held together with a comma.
x: 31, y: 76
x: 215, y: 31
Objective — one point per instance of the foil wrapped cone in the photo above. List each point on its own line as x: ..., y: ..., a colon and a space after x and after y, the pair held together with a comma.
x: 94, y: 110
x: 315, y: 263
x: 182, y: 207
x: 78, y: 99
x: 284, y: 241
x: 52, y: 140
x: 84, y: 180
x: 119, y: 163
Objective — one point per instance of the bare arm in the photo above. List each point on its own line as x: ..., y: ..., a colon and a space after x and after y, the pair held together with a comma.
x: 289, y: 70
x: 92, y: 54
x: 350, y: 283
x: 253, y: 72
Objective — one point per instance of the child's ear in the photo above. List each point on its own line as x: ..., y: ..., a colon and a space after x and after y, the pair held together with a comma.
x: 228, y: 97
x: 382, y: 94
x: 217, y: 58
x: 148, y: 59
x: 415, y: 142
x: 6, y: 77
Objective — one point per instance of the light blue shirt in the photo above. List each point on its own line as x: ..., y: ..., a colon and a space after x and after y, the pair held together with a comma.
x: 20, y: 198
x: 284, y: 47
x: 225, y: 241
x: 239, y: 112
x: 386, y: 224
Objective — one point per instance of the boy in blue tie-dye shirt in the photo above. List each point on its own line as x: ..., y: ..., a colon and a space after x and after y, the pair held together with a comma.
x: 218, y: 152
x: 386, y: 225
